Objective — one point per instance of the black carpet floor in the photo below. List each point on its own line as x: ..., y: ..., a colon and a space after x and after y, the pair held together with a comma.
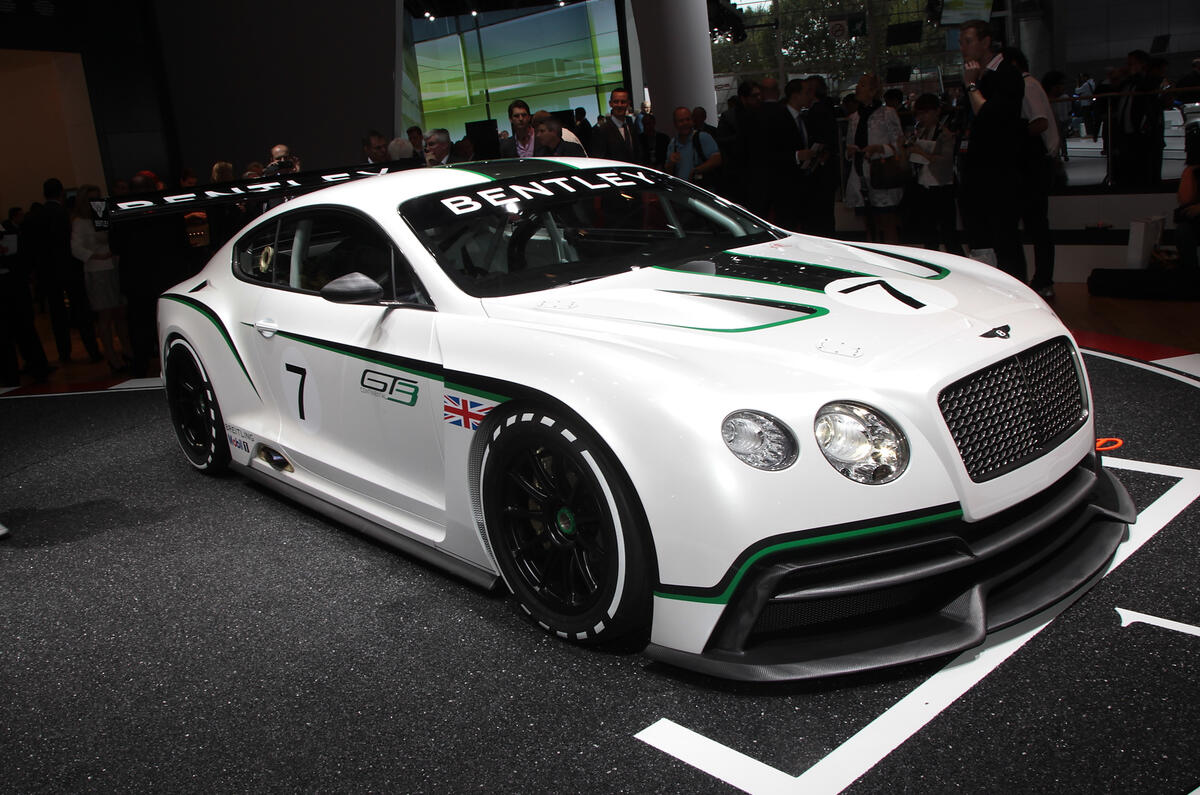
x: 165, y: 631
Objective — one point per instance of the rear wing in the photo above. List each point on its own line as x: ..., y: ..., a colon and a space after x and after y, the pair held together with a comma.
x: 140, y: 205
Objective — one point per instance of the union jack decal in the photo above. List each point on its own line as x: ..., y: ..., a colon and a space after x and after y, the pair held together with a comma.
x: 464, y: 412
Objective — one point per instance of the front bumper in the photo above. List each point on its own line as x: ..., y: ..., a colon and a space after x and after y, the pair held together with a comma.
x: 928, y: 591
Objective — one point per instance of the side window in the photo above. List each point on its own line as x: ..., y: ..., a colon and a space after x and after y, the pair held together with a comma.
x: 256, y: 254
x: 314, y: 247
x: 317, y: 247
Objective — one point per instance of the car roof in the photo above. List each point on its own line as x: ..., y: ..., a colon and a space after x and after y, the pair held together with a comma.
x: 383, y: 194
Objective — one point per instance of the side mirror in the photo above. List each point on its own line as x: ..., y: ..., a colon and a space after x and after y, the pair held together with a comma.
x: 353, y: 288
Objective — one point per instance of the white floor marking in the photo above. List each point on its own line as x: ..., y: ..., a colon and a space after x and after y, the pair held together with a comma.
x: 910, y: 714
x: 1133, y: 617
x: 1188, y: 364
x: 106, y: 391
x: 139, y: 383
x: 1151, y: 366
x: 715, y: 759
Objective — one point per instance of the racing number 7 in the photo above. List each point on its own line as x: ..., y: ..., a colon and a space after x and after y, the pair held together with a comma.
x: 303, y: 373
x: 889, y: 289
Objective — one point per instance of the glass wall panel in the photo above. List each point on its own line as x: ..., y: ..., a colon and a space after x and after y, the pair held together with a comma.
x: 554, y: 59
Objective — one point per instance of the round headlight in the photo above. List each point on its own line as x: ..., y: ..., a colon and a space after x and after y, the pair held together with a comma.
x: 861, y: 442
x: 759, y: 439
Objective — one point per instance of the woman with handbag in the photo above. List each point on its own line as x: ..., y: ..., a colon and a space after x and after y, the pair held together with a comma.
x: 879, y: 169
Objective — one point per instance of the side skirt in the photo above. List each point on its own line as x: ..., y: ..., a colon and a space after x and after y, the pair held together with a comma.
x: 423, y: 552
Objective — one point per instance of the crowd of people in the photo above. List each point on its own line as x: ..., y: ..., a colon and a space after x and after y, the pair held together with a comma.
x: 93, y: 280
x: 988, y: 152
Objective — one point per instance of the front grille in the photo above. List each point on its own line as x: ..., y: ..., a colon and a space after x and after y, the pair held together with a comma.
x: 1016, y: 410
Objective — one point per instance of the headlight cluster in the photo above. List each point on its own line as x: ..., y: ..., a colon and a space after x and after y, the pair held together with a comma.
x: 858, y: 441
x: 759, y: 439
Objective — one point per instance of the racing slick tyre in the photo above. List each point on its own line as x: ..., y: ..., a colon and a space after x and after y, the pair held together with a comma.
x: 565, y: 529
x: 195, y: 413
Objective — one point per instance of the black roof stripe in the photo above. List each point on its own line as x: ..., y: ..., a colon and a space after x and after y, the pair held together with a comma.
x: 511, y: 168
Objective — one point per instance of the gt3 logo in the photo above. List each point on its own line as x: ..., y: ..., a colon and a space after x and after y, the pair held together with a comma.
x: 393, y: 387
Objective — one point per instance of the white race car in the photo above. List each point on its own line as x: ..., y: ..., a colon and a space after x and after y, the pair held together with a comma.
x: 653, y: 415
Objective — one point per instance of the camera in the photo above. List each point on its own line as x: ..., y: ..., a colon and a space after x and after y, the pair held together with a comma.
x: 288, y: 164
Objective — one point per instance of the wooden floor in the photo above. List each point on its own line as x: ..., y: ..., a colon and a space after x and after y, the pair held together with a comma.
x: 1172, y: 324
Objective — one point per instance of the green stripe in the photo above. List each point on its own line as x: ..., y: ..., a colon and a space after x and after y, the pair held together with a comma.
x: 493, y: 396
x: 204, y: 310
x: 488, y: 177
x: 940, y: 272
x: 561, y: 162
x: 724, y: 596
x: 354, y: 355
x: 478, y: 392
x: 739, y: 279
x: 743, y: 253
x: 818, y: 311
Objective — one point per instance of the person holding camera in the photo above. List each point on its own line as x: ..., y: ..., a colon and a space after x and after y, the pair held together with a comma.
x: 282, y: 161
x: 691, y: 155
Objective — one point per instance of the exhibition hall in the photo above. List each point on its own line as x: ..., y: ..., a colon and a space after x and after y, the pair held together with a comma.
x: 600, y: 396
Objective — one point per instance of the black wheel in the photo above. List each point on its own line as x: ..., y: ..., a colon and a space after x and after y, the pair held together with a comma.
x: 564, y: 529
x: 194, y: 410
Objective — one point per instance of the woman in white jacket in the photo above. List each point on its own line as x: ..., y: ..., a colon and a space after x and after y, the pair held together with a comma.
x: 874, y: 134
x: 90, y: 246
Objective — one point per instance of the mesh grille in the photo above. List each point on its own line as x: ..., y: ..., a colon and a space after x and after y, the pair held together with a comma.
x: 1015, y: 410
x: 792, y: 615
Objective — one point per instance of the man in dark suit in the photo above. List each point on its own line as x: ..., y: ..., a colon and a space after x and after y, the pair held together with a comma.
x: 550, y: 143
x: 988, y: 168
x: 438, y: 150
x: 792, y: 153
x: 17, y: 331
x: 1137, y: 134
x: 615, y: 138
x: 821, y: 123
x: 46, y: 240
x: 740, y: 134
x: 583, y: 127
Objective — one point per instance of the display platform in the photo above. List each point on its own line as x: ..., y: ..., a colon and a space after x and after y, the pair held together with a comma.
x: 161, y: 630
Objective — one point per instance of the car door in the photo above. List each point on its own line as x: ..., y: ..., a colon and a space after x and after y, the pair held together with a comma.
x: 356, y: 385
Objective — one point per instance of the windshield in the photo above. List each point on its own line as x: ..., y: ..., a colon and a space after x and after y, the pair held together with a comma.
x: 531, y: 233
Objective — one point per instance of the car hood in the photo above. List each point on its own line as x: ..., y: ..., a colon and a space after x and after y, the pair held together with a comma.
x: 805, y: 295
